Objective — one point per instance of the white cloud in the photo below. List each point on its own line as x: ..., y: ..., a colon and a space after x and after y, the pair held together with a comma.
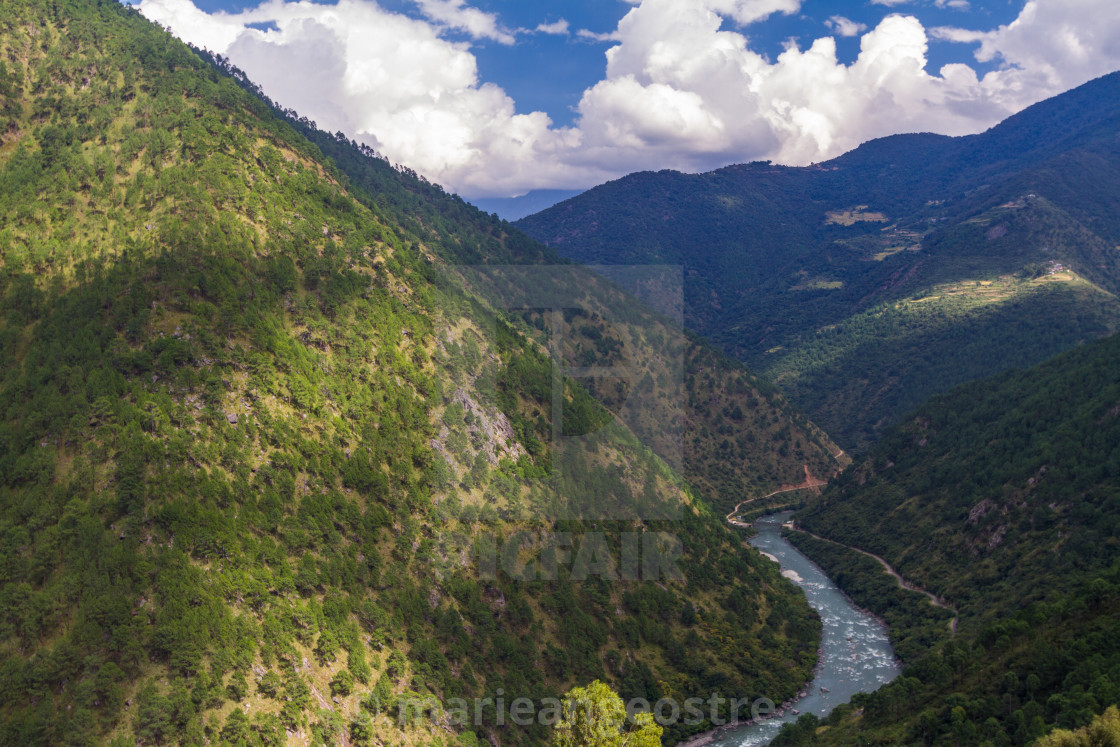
x: 390, y: 81
x: 1053, y: 45
x: 845, y: 26
x: 681, y: 93
x: 213, y: 31
x: 559, y: 28
x: 746, y: 12
x: 596, y: 36
x: 458, y: 15
x: 952, y: 33
x: 678, y: 92
x: 890, y: 3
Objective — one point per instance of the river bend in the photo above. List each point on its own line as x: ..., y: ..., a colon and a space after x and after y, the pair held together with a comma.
x: 855, y: 654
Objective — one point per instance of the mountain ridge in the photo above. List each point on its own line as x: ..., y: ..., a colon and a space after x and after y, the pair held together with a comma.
x: 776, y: 257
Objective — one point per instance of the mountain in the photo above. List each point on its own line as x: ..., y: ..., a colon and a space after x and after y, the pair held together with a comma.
x: 737, y: 435
x: 275, y: 462
x: 515, y: 208
x: 1003, y: 499
x: 866, y: 284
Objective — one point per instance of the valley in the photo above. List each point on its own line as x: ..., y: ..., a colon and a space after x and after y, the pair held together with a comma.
x: 985, y: 497
x: 299, y: 448
x: 855, y: 655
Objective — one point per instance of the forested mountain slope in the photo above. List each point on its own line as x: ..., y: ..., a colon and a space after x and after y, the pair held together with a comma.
x: 1003, y: 498
x: 738, y: 436
x: 253, y: 435
x: 864, y: 285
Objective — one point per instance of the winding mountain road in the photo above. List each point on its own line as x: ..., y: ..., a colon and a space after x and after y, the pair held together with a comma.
x: 812, y: 482
x: 902, y: 582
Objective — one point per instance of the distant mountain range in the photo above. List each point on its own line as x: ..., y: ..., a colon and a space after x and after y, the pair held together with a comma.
x: 864, y: 285
x: 515, y: 208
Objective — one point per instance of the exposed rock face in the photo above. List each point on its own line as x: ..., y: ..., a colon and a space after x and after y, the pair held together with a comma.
x: 980, y: 510
x: 494, y: 428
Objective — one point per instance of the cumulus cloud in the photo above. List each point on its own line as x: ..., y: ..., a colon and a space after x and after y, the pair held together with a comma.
x: 1052, y: 45
x: 458, y: 15
x: 686, y: 94
x: 845, y: 26
x: 680, y: 89
x: 214, y: 31
x: 681, y: 92
x: 745, y: 12
x: 392, y: 82
x: 559, y: 28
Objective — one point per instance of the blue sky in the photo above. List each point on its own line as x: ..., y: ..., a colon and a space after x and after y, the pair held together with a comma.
x: 499, y: 97
x: 550, y: 73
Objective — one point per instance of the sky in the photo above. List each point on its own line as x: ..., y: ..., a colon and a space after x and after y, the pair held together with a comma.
x: 495, y: 98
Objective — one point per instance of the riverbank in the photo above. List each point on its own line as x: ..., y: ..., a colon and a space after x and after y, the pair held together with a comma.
x: 915, y: 624
x: 710, y: 736
x: 855, y: 654
x: 902, y: 582
x: 808, y: 483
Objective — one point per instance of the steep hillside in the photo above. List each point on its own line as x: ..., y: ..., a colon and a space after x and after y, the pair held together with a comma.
x: 1003, y: 498
x: 261, y: 453
x: 863, y: 285
x: 734, y: 436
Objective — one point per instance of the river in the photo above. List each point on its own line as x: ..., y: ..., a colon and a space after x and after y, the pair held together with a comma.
x: 855, y: 657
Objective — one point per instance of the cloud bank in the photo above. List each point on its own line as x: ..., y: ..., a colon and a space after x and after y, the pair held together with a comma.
x: 677, y: 92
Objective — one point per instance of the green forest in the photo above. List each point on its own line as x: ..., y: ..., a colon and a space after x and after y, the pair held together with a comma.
x: 230, y: 345
x: 738, y: 435
x: 285, y: 449
x: 1002, y: 498
x: 866, y: 284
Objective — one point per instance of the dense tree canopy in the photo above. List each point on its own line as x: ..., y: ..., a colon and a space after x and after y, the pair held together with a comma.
x: 253, y: 443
